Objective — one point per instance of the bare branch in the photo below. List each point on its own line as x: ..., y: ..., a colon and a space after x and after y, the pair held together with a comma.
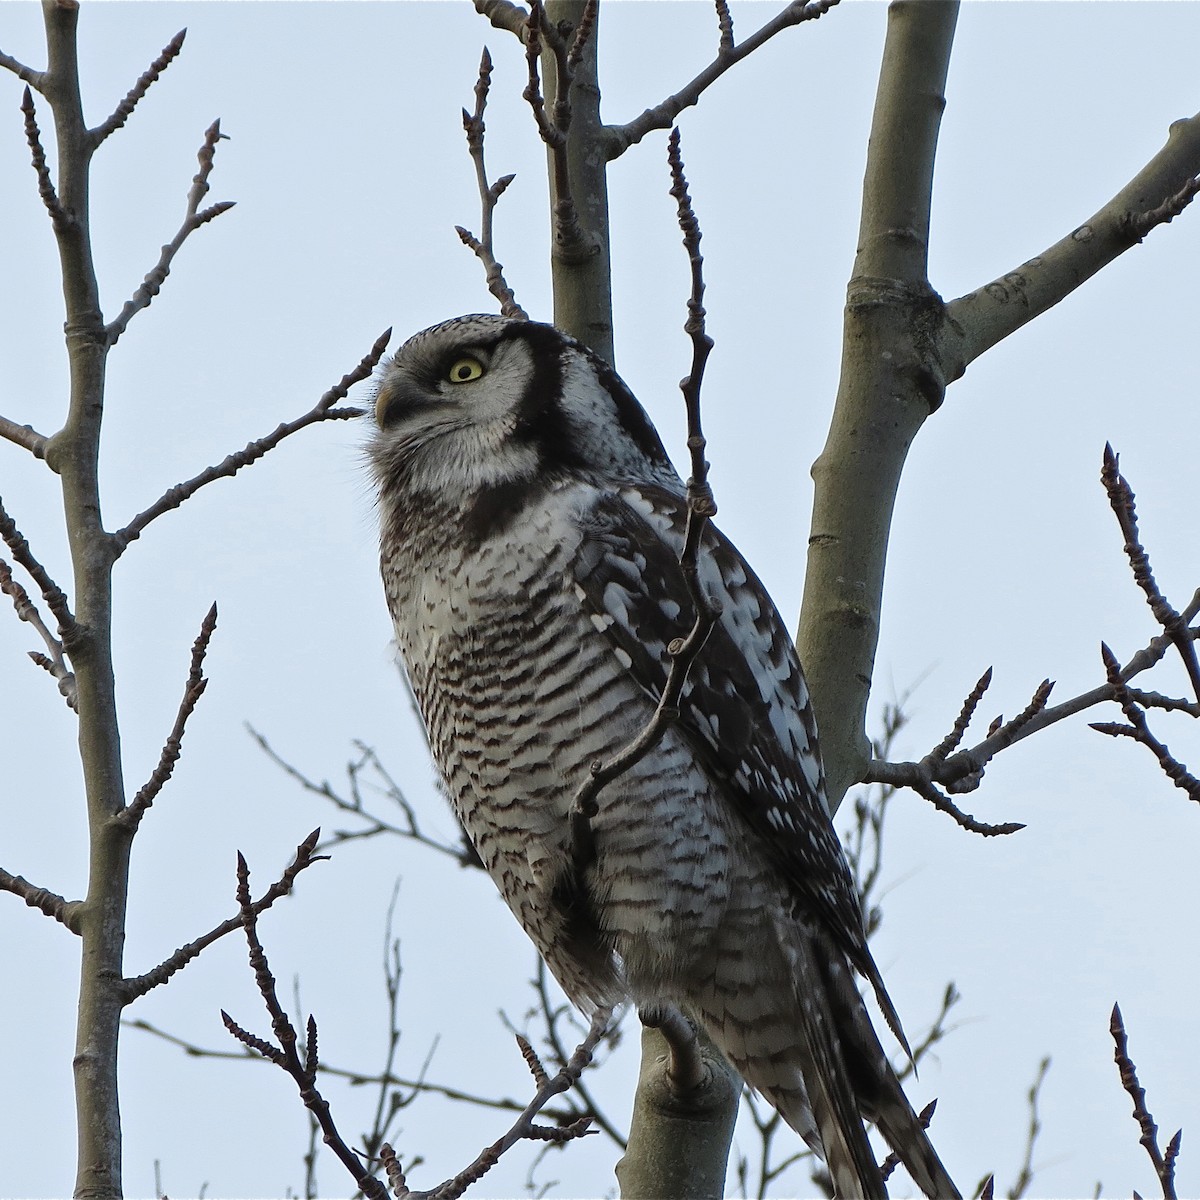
x: 59, y: 217
x: 725, y: 25
x: 1139, y: 730
x: 284, y: 1054
x: 462, y: 852
x: 1025, y: 1175
x: 1120, y: 497
x: 551, y: 1016
x: 196, y: 683
x: 55, y: 663
x: 504, y: 15
x: 489, y: 195
x: 139, y: 985
x: 24, y: 435
x: 35, y: 79
x: 54, y: 596
x: 419, y: 1085
x: 977, y: 321
x: 700, y: 509
x: 570, y: 241
x: 662, y: 116
x: 66, y: 912
x: 193, y: 219
x: 524, y: 1128
x: 687, y: 1071
x: 323, y: 410
x: 952, y: 740
x: 1164, y: 1166
x: 148, y: 77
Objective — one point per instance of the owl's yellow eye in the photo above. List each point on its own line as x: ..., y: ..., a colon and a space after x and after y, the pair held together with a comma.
x: 464, y: 369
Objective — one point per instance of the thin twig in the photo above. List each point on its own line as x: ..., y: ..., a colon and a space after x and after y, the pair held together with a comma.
x: 323, y: 410
x: 419, y: 1085
x: 489, y: 195
x: 570, y: 241
x: 24, y: 435
x: 551, y: 1015
x: 1121, y: 498
x: 55, y: 663
x: 700, y: 509
x: 305, y: 856
x: 524, y: 1128
x: 59, y: 218
x: 1025, y: 1175
x: 66, y: 912
x: 463, y: 852
x: 1164, y: 1167
x: 145, y: 81
x: 283, y: 1052
x: 966, y: 765
x: 193, y: 690
x: 1139, y: 730
x: 193, y: 219
x: 618, y: 138
x: 55, y: 597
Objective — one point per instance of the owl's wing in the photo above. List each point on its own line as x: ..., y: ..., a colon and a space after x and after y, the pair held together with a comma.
x: 745, y: 707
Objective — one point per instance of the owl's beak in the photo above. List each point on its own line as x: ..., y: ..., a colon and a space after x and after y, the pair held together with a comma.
x: 398, y: 394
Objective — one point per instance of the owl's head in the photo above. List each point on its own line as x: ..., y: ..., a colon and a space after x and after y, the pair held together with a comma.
x: 483, y: 401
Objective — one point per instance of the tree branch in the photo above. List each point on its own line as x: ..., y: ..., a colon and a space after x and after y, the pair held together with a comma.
x: 283, y: 1052
x: 1164, y: 1165
x: 25, y: 436
x: 618, y: 138
x: 194, y: 689
x: 323, y: 410
x: 145, y: 81
x: 54, y: 596
x: 55, y: 663
x: 504, y: 15
x: 976, y: 322
x: 524, y: 1128
x: 59, y: 217
x: 139, y: 985
x: 35, y: 79
x: 194, y: 218
x: 489, y: 195
x: 888, y: 387
x: 66, y: 912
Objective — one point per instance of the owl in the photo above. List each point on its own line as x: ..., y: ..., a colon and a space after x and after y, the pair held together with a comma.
x: 531, y: 527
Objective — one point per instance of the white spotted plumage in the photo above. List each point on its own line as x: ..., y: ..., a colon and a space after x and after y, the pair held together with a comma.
x: 531, y: 524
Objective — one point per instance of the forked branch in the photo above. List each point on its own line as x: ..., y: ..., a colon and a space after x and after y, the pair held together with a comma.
x: 525, y: 1128
x: 193, y: 219
x: 305, y: 856
x: 618, y: 138
x: 283, y: 1052
x: 489, y: 196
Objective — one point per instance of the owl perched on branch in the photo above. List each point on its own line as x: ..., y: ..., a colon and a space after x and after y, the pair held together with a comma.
x: 531, y: 531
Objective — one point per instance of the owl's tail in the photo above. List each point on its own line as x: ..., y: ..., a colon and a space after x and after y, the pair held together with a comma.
x: 824, y: 1069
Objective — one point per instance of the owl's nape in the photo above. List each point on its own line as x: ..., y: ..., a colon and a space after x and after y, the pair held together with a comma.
x: 531, y: 526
